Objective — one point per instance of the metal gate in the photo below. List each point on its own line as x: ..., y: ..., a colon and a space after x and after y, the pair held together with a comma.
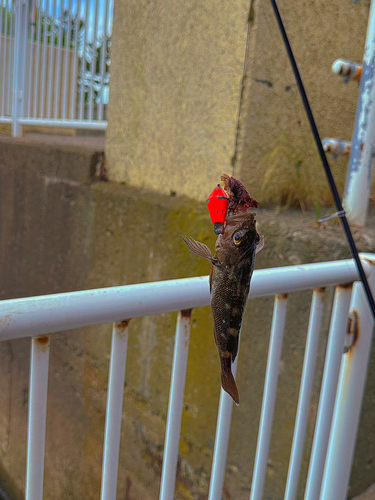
x: 54, y: 62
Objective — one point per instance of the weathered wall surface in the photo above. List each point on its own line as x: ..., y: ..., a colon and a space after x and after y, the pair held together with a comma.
x: 59, y: 232
x: 175, y: 80
x: 176, y: 83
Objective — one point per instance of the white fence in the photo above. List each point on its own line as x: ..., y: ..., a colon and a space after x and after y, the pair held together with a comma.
x: 54, y: 62
x: 343, y: 383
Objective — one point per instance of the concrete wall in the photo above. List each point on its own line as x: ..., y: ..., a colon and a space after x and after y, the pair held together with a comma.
x: 62, y: 232
x: 176, y: 84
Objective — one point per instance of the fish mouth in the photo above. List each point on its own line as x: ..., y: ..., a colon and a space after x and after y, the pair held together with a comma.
x: 218, y: 228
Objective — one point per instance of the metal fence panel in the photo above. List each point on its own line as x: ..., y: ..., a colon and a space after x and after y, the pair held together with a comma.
x: 54, y: 63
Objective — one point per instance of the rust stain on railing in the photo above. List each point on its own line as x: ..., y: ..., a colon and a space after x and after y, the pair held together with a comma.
x: 281, y: 296
x: 353, y: 329
x: 346, y: 286
x: 121, y: 327
x: 43, y: 341
x: 186, y: 313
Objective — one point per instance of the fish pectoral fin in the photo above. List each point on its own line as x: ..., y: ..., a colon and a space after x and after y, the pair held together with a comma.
x: 260, y: 245
x: 198, y: 248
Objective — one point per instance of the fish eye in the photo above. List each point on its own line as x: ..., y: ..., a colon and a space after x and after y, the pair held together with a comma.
x: 237, y: 238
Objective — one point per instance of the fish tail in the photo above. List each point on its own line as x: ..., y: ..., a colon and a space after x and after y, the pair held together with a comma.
x: 227, y: 380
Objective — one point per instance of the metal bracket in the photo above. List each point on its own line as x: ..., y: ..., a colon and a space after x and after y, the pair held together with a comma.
x: 336, y: 147
x: 326, y: 218
x: 348, y: 70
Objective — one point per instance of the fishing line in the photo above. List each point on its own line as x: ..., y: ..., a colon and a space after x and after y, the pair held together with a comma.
x: 323, y: 158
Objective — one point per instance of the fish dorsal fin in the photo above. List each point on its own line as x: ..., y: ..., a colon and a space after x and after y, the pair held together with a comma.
x: 197, y: 247
x: 260, y: 245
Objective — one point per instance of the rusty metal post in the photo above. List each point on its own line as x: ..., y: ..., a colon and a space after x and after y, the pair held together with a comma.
x: 113, y: 415
x: 335, y: 346
x: 269, y: 396
x: 176, y: 400
x: 37, y: 417
x: 307, y: 379
x: 358, y: 182
x: 349, y: 397
x: 224, y: 418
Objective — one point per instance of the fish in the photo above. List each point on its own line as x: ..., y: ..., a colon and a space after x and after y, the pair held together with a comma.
x: 231, y: 272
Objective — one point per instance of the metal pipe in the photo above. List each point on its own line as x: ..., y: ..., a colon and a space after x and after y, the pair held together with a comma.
x: 335, y: 346
x: 114, y: 410
x: 58, y: 64
x: 73, y: 111
x: 93, y: 60
x: 336, y: 147
x: 103, y: 58
x: 224, y: 418
x: 358, y: 182
x: 349, y: 396
x: 37, y: 417
x: 37, y: 59
x: 19, y: 64
x: 3, y: 109
x: 10, y: 61
x: 64, y: 311
x: 51, y: 59
x: 269, y: 396
x: 347, y: 69
x: 2, y: 35
x: 67, y: 59
x: 44, y: 59
x: 176, y: 400
x: 82, y: 124
x: 305, y: 393
x: 31, y: 57
x: 82, y: 93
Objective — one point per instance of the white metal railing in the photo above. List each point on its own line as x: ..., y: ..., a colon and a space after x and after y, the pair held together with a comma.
x: 341, y: 392
x: 54, y: 62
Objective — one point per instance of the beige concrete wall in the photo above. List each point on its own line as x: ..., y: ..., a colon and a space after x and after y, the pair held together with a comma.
x: 175, y: 80
x: 176, y: 83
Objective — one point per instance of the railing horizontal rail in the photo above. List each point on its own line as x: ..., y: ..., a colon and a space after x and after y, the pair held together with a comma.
x: 52, y: 313
x: 55, y: 122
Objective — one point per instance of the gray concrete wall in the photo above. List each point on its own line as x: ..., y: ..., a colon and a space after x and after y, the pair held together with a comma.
x: 62, y: 232
x: 176, y: 84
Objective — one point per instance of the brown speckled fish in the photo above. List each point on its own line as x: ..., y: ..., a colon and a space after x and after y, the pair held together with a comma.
x: 232, y: 268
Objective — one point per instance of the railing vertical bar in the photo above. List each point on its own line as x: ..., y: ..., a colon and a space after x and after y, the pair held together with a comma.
x: 58, y: 65
x: 67, y: 59
x: 335, y: 346
x: 93, y: 59
x: 5, y: 52
x: 10, y: 61
x: 31, y: 57
x: 2, y: 74
x: 176, y: 399
x: 114, y: 410
x: 73, y: 98
x: 103, y: 57
x: 44, y: 59
x: 37, y: 61
x: 82, y: 96
x: 219, y: 460
x: 269, y: 396
x: 51, y: 59
x: 37, y: 417
x: 349, y: 397
x: 305, y: 393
